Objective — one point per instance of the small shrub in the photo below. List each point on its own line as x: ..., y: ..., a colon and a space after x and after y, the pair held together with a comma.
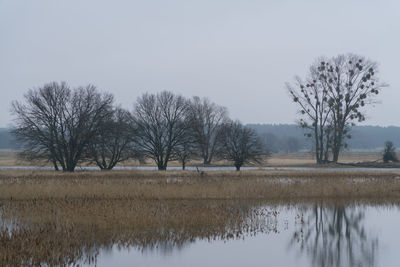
x: 389, y: 153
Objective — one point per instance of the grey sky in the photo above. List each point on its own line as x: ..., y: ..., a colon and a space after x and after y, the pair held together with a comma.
x: 237, y: 53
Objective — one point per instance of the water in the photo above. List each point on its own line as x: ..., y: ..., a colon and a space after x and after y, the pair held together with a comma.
x: 216, y: 233
x: 305, y: 236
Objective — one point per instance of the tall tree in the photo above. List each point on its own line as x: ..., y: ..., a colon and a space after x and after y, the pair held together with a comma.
x: 352, y: 83
x: 57, y: 123
x: 207, y: 119
x: 186, y: 150
x: 114, y: 140
x: 160, y: 124
x: 311, y: 98
x: 241, y: 144
x: 334, y: 96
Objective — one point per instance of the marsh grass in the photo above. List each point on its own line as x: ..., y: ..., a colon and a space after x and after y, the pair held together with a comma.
x: 65, y: 232
x: 145, y: 185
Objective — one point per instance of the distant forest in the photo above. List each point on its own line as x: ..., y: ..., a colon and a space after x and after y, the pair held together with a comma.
x: 289, y: 138
x: 6, y: 139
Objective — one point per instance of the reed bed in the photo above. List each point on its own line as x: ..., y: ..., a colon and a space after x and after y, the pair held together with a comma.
x: 72, y: 232
x: 146, y: 185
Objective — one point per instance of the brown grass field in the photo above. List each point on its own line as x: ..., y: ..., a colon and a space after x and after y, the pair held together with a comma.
x: 154, y: 185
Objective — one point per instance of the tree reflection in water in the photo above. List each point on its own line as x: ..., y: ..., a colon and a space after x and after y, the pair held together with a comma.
x: 334, y: 236
x: 72, y: 232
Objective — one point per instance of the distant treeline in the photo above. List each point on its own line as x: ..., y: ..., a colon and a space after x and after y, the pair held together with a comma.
x: 7, y: 141
x: 289, y: 138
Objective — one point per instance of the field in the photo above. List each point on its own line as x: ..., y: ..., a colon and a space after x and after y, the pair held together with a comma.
x: 255, y: 184
x: 9, y: 158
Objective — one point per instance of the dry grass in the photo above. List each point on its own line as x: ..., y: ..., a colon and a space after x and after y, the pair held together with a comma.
x: 8, y: 158
x: 307, y: 159
x: 65, y: 232
x: 257, y: 184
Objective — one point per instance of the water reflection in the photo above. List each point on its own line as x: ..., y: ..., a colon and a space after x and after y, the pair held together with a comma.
x: 72, y: 232
x: 335, y: 236
x: 75, y: 231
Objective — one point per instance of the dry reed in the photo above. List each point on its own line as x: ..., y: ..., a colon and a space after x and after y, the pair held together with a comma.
x: 70, y: 232
x: 27, y: 185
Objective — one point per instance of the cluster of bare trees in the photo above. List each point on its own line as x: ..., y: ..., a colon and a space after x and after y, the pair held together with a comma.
x: 331, y: 99
x: 59, y: 124
x: 68, y: 126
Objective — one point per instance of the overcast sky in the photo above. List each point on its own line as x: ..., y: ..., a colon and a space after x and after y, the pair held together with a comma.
x: 237, y: 53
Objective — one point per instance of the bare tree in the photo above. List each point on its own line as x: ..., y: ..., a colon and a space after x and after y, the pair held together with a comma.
x: 241, y: 144
x: 114, y: 140
x: 186, y: 150
x: 206, y: 121
x: 351, y: 84
x: 315, y: 112
x: 57, y: 124
x: 160, y: 124
x: 333, y: 97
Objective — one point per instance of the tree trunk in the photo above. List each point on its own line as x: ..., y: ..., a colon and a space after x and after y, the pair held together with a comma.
x: 70, y: 166
x: 336, y: 148
x: 161, y: 166
x: 55, y: 165
x: 336, y: 155
x: 317, y: 146
x: 238, y: 165
x: 321, y: 143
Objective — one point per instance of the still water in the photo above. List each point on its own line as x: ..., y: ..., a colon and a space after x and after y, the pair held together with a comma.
x: 311, y: 235
x: 199, y: 233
